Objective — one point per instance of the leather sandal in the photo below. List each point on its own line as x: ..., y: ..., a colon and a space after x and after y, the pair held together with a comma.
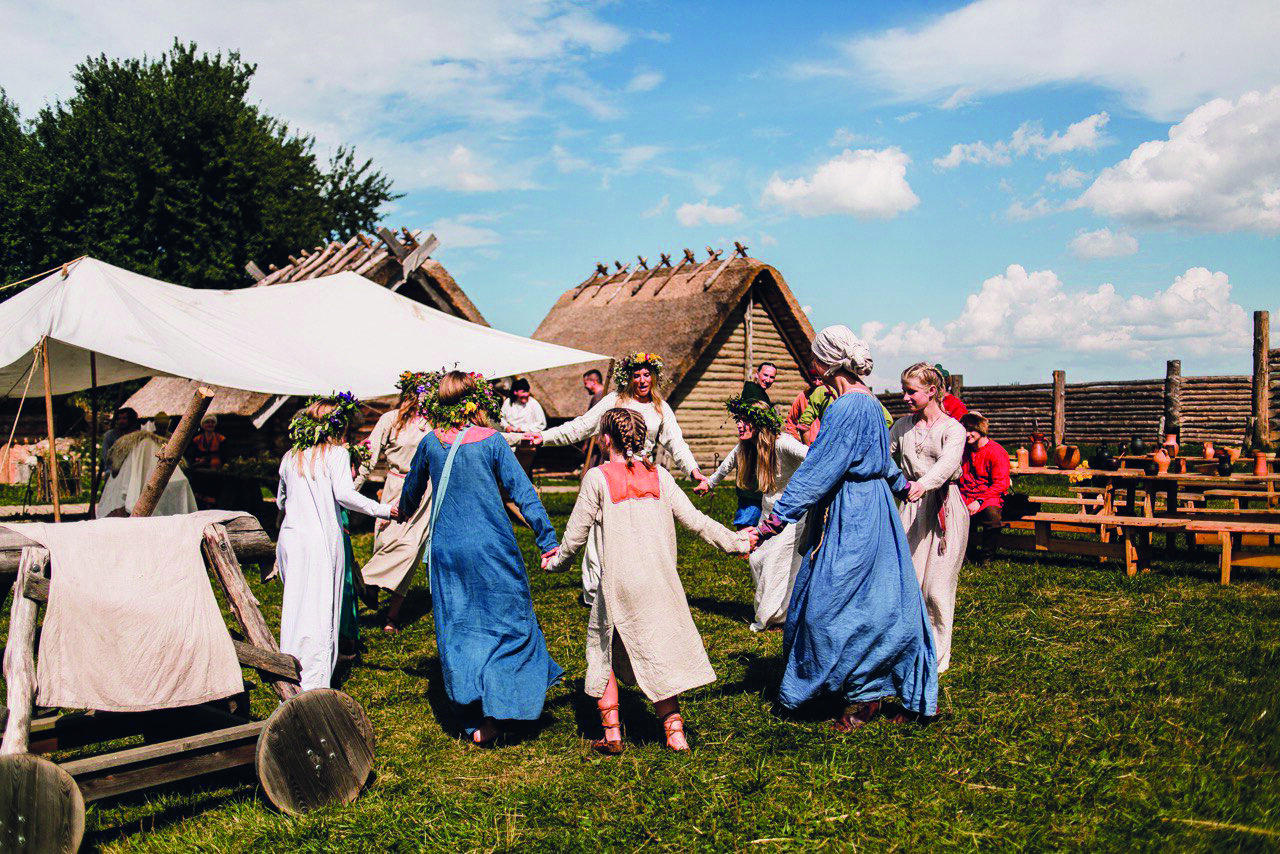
x: 856, y: 716
x: 673, y: 725
x: 608, y: 746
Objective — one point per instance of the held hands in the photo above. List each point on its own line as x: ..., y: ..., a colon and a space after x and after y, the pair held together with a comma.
x: 754, y: 535
x: 534, y: 439
x: 703, y: 488
x: 915, y: 491
x: 701, y: 480
x: 549, y: 557
x: 395, y: 513
x: 974, y: 506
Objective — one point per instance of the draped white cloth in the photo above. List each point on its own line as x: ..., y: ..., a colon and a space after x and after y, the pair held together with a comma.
x: 136, y: 455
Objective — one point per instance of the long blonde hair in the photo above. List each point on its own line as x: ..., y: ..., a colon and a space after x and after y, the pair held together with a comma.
x: 405, y: 410
x: 758, y: 458
x: 626, y: 431
x: 320, y: 410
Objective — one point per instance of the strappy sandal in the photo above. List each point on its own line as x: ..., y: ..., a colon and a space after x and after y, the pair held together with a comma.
x: 856, y: 717
x: 673, y: 725
x: 606, y: 745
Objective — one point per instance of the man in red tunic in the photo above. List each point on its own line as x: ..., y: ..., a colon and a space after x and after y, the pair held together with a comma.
x: 984, y: 479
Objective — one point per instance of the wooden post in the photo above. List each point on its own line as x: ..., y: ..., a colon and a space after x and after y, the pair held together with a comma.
x: 172, y: 452
x: 749, y: 344
x: 955, y: 385
x: 1261, y: 380
x: 1173, y: 397
x: 220, y: 554
x: 20, y: 653
x: 93, y: 433
x: 1059, y: 407
x: 53, y: 442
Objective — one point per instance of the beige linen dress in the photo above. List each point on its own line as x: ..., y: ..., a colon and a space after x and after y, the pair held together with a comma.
x: 640, y: 625
x: 931, y: 457
x: 397, y: 546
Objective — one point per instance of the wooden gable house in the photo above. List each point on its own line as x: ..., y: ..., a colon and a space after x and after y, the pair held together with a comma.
x: 400, y: 261
x: 711, y: 319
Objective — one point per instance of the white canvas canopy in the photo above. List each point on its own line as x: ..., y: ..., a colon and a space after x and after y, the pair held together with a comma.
x: 335, y: 333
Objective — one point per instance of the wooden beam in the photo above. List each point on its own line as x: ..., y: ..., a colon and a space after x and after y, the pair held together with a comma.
x: 1173, y: 397
x: 167, y: 459
x: 270, y: 663
x: 1059, y: 407
x: 20, y: 654
x: 255, y: 271
x: 53, y: 442
x: 221, y: 557
x: 1261, y: 406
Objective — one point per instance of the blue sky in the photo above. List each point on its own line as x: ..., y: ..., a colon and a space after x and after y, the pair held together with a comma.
x: 991, y: 183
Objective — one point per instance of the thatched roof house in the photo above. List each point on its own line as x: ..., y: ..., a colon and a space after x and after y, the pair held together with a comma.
x: 400, y: 261
x: 712, y: 320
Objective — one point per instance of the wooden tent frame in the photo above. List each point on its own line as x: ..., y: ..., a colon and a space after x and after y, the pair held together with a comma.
x: 218, y: 736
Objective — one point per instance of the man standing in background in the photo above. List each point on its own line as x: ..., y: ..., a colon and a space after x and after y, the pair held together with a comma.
x: 757, y: 388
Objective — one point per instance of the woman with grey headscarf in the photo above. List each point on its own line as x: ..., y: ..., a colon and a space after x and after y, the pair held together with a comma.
x: 857, y: 629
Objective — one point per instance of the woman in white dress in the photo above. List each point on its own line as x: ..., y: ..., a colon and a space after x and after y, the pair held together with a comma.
x: 928, y: 446
x: 129, y: 464
x: 397, y: 546
x: 315, y: 483
x: 640, y: 630
x: 639, y: 378
x: 765, y: 458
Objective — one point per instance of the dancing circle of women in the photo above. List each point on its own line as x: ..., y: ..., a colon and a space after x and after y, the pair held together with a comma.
x: 864, y: 590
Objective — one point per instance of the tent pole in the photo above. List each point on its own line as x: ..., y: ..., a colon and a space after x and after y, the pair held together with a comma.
x: 53, y: 442
x: 93, y: 433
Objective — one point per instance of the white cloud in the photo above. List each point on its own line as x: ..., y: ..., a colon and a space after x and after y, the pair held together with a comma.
x: 1034, y: 322
x: 906, y: 117
x: 658, y: 209
x: 1162, y: 56
x: 567, y: 162
x: 645, y: 81
x: 703, y: 213
x: 591, y: 98
x: 1067, y: 176
x: 843, y: 138
x: 363, y: 75
x: 632, y: 157
x: 1020, y: 212
x: 867, y: 183
x: 1029, y: 138
x: 1103, y: 243
x: 767, y: 239
x: 468, y: 173
x: 462, y: 232
x: 1219, y: 170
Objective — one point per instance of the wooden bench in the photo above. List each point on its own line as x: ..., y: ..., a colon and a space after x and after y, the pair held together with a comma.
x: 1085, y: 504
x: 1132, y: 546
x: 1230, y: 536
x: 1235, y: 496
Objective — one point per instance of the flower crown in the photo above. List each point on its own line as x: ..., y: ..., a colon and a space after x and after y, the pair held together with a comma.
x: 307, y: 432
x: 416, y: 381
x: 481, y: 397
x: 628, y: 364
x: 755, y: 412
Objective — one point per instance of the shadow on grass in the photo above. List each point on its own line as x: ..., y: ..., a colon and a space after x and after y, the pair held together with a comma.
x: 740, y: 612
x: 199, y: 795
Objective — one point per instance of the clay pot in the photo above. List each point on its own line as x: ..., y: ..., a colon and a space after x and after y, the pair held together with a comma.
x: 1170, y: 446
x: 1178, y: 465
x: 1024, y: 459
x: 1209, y: 453
x: 1102, y: 460
x: 1137, y: 447
x: 1260, y: 464
x: 1039, y: 454
x: 1224, y: 465
x: 1161, y: 459
x: 1066, y: 457
x: 1234, y: 454
x: 1150, y: 468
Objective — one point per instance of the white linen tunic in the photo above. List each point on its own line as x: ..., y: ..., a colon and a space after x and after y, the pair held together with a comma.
x: 931, y: 457
x: 523, y: 417
x: 397, y: 546
x: 775, y: 563
x: 311, y: 555
x: 640, y: 625
x: 660, y: 428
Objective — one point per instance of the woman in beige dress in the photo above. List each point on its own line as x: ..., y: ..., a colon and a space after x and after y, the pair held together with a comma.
x: 397, y: 546
x: 640, y: 628
x: 928, y: 446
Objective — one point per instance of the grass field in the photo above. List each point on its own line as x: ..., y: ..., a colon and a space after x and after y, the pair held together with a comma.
x: 1083, y: 710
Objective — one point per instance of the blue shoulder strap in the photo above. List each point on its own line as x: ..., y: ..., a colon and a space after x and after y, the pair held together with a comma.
x: 437, y: 496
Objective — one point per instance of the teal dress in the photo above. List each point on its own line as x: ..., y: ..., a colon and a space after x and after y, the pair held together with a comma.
x: 492, y: 651
x: 348, y: 624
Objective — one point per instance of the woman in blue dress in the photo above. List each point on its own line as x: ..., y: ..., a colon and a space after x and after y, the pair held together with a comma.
x: 495, y: 660
x: 856, y: 628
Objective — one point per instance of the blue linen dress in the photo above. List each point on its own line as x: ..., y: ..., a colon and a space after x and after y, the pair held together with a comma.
x: 491, y: 648
x: 856, y: 626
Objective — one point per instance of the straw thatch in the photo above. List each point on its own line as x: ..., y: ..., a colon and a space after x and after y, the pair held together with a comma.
x: 694, y: 314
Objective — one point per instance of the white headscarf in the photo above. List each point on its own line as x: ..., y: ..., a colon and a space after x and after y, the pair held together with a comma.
x: 838, y: 347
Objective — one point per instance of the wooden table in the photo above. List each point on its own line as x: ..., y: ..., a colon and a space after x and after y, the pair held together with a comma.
x: 1167, y: 484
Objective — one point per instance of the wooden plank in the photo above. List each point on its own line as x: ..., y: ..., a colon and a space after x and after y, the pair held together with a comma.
x: 1059, y: 407
x: 109, y: 762
x: 1260, y: 405
x: 1224, y: 560
x: 20, y: 654
x: 269, y: 663
x: 222, y: 559
x: 240, y: 755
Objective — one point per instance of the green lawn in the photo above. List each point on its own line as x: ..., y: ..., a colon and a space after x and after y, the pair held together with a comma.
x: 1083, y: 710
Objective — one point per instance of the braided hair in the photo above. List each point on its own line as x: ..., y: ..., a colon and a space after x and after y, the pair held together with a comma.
x: 626, y: 431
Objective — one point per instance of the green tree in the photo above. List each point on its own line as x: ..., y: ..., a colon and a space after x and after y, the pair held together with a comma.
x: 162, y: 166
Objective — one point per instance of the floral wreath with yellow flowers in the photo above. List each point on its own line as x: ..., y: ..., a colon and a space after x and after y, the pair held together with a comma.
x: 307, y: 432
x: 361, y: 454
x: 481, y: 397
x: 627, y: 365
x: 755, y: 412
x: 417, y: 381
